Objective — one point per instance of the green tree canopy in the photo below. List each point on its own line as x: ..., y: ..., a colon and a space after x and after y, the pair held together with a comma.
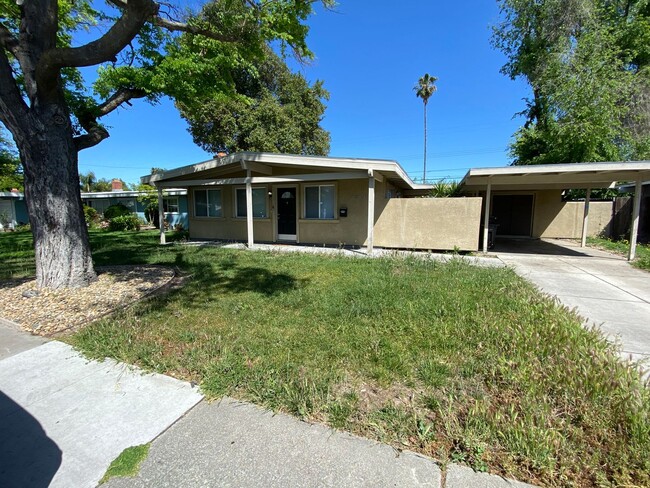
x: 143, y: 49
x: 587, y: 62
x: 271, y: 110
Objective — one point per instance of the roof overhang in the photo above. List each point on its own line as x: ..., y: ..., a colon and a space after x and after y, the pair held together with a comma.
x: 556, y: 176
x: 95, y: 195
x: 261, y: 166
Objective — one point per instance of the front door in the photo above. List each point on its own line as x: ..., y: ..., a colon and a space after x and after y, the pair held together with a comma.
x: 513, y: 214
x: 286, y: 207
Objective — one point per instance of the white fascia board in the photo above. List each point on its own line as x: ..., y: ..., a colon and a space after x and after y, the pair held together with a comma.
x: 381, y: 165
x: 127, y: 194
x: 560, y: 168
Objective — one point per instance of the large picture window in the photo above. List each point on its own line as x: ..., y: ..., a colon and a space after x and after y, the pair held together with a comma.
x: 207, y: 203
x: 320, y: 202
x: 259, y: 203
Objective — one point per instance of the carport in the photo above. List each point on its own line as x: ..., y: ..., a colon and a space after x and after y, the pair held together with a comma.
x: 545, y: 183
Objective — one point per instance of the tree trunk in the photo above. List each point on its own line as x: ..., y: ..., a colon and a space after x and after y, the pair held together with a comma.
x: 424, y: 171
x: 52, y: 193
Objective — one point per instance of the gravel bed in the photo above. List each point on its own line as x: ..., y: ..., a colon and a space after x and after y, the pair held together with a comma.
x: 48, y: 312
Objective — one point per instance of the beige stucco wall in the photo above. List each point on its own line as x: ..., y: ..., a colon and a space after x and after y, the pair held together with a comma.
x: 413, y: 223
x: 429, y: 223
x: 554, y: 218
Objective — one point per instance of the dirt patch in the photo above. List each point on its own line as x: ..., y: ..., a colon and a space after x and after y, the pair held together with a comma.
x: 50, y: 312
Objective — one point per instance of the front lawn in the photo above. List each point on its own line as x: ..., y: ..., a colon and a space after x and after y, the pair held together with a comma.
x: 642, y: 260
x: 462, y: 363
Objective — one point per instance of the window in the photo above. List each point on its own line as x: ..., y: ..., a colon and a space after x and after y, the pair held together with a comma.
x: 320, y: 202
x: 99, y: 205
x: 207, y: 203
x: 128, y: 203
x: 259, y: 203
x: 170, y: 204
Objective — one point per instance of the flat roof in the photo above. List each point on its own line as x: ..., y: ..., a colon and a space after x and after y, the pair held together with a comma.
x: 557, y: 176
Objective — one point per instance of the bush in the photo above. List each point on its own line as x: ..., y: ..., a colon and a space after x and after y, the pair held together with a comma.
x: 117, y: 210
x: 91, y: 216
x: 124, y: 222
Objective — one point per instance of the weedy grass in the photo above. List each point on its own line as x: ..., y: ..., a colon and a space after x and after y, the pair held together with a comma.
x: 462, y: 363
x: 127, y: 463
x: 642, y: 260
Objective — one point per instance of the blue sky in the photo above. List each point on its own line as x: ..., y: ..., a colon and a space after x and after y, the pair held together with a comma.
x: 370, y: 56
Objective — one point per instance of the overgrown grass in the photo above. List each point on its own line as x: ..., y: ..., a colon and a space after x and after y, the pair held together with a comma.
x: 461, y: 363
x: 127, y: 463
x: 642, y: 260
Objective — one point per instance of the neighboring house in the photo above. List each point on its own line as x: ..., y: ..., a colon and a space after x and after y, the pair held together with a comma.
x: 263, y: 197
x: 13, y: 210
x: 174, y: 201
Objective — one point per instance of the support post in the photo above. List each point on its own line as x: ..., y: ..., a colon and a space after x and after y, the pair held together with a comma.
x: 585, y: 219
x: 486, y: 217
x: 249, y: 208
x: 371, y: 211
x: 636, y: 207
x: 161, y: 215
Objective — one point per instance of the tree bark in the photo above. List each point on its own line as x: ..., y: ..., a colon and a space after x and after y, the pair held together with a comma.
x: 53, y: 196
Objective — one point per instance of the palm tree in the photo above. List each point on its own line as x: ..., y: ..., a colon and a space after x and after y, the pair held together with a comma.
x: 87, y: 181
x: 424, y: 89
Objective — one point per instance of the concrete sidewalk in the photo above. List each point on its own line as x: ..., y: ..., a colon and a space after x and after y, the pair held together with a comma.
x: 63, y: 418
x: 606, y: 290
x: 236, y: 444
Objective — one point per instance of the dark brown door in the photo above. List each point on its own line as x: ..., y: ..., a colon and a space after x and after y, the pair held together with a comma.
x: 513, y: 214
x: 286, y: 213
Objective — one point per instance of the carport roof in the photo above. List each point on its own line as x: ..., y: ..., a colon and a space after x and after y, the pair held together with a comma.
x: 556, y: 176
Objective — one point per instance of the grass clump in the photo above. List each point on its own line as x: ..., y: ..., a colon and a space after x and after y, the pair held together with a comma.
x: 127, y: 463
x: 462, y: 363
x: 642, y: 259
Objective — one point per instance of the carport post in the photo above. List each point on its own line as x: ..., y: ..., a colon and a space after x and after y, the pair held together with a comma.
x: 486, y: 218
x: 585, y: 219
x: 249, y: 208
x: 371, y: 211
x: 636, y: 207
x: 161, y: 215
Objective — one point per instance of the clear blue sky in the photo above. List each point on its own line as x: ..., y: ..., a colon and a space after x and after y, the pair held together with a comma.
x: 370, y: 56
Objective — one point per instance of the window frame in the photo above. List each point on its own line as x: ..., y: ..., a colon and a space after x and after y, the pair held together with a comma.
x: 167, y: 205
x: 207, y: 199
x: 266, y: 202
x: 319, y: 186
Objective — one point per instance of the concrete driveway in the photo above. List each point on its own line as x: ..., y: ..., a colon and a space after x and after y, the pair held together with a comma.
x: 606, y: 290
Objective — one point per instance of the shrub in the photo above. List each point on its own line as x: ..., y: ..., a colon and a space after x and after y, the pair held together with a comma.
x: 91, y: 216
x: 117, y: 210
x: 124, y: 222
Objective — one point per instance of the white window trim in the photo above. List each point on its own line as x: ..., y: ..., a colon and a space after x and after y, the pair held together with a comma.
x: 266, y: 202
x: 177, y: 205
x: 194, y: 191
x: 304, y: 202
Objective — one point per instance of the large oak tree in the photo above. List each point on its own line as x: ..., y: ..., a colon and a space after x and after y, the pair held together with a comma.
x: 145, y: 49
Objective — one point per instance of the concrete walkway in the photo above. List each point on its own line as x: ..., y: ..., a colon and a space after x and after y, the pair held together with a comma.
x: 606, y: 290
x: 63, y: 418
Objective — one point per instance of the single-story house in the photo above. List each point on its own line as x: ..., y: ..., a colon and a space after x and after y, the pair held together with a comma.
x: 13, y: 210
x: 174, y: 203
x: 265, y: 197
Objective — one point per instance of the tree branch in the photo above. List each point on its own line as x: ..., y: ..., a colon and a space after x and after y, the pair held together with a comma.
x: 134, y: 15
x: 118, y: 98
x: 94, y: 136
x: 172, y: 25
x: 7, y: 40
x: 13, y: 109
